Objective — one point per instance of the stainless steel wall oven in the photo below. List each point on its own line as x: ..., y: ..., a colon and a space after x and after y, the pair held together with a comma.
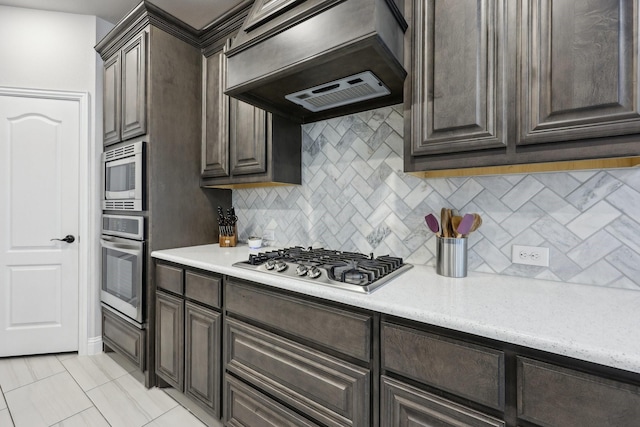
x: 123, y: 258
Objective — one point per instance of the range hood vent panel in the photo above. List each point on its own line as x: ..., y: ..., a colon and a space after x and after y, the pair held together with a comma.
x: 295, y: 63
x: 337, y: 93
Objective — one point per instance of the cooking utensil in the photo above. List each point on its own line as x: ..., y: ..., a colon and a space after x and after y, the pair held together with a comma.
x: 477, y: 222
x: 455, y: 223
x: 464, y: 226
x: 445, y: 222
x: 432, y: 223
x: 452, y: 230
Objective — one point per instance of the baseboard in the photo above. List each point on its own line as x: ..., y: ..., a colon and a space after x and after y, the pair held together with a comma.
x: 94, y: 345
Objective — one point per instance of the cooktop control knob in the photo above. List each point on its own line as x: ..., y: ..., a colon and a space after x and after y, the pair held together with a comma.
x: 301, y: 270
x: 281, y: 265
x: 271, y: 264
x: 314, y: 272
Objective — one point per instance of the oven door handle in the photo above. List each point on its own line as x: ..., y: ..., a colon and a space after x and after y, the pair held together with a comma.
x: 108, y: 242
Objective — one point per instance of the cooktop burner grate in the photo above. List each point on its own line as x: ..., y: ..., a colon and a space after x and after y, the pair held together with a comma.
x: 347, y: 270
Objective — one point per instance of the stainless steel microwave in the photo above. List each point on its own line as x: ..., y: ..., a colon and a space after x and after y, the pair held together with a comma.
x: 123, y: 177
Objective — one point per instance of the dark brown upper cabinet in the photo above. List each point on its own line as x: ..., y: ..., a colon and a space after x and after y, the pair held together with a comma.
x: 243, y: 145
x: 579, y: 60
x: 458, y: 98
x: 520, y: 82
x: 215, y: 154
x: 125, y: 92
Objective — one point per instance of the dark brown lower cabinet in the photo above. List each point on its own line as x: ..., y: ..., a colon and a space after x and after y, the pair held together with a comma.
x: 314, y: 359
x: 123, y: 336
x: 325, y: 388
x: 188, y: 335
x: 435, y: 377
x: 549, y: 395
x: 402, y: 405
x: 290, y: 360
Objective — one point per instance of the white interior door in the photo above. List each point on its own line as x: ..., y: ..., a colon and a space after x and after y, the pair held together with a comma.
x: 39, y: 196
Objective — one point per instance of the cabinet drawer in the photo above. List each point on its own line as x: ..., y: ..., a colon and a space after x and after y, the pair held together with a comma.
x: 346, y: 332
x: 124, y: 337
x: 169, y: 278
x: 404, y: 405
x: 325, y: 388
x: 552, y: 396
x: 467, y: 370
x: 203, y: 289
x: 247, y: 407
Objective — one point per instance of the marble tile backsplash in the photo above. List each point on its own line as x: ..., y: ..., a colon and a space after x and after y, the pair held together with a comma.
x: 355, y: 197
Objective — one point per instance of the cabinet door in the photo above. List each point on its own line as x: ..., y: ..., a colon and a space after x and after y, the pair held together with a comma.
x: 111, y: 100
x: 134, y: 90
x: 405, y: 406
x: 215, y: 136
x: 202, y: 356
x: 458, y: 95
x: 247, y: 138
x: 579, y: 70
x: 170, y: 339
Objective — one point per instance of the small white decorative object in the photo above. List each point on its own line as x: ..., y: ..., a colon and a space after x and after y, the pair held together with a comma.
x: 254, y: 242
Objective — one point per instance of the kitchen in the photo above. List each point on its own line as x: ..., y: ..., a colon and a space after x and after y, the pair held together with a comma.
x: 355, y: 196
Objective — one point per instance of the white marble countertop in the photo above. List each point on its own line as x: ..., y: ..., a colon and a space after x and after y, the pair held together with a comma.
x: 590, y: 323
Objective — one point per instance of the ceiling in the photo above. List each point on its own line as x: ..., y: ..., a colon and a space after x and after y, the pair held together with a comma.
x: 196, y: 13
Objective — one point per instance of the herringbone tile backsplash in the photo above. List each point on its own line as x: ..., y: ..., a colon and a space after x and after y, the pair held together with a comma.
x: 355, y: 197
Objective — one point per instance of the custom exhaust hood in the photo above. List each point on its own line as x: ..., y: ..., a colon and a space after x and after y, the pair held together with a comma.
x: 310, y: 60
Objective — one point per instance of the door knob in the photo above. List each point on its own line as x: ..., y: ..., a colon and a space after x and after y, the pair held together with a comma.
x: 68, y: 238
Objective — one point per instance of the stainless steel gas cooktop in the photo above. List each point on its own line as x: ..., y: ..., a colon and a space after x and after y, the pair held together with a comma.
x: 346, y: 270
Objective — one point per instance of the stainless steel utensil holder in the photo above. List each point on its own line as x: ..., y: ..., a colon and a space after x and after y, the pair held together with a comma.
x: 451, y: 256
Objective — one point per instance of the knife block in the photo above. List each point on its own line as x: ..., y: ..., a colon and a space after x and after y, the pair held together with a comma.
x: 229, y: 241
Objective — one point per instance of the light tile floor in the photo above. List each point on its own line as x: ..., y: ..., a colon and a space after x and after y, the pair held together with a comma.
x: 68, y: 390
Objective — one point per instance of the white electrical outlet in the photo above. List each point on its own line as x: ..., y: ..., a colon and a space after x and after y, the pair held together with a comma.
x: 269, y: 235
x: 530, y: 255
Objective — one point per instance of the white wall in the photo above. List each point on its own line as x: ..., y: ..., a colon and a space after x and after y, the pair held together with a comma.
x: 55, y: 51
x: 47, y: 50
